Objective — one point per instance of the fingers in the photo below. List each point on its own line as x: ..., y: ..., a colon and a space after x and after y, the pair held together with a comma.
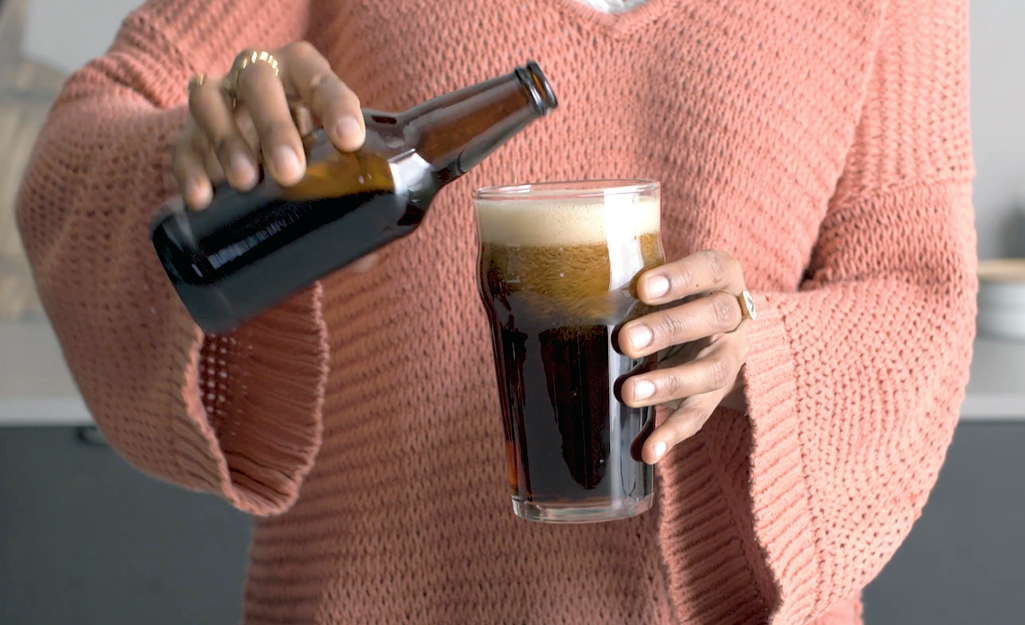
x: 215, y: 118
x: 263, y: 95
x: 229, y: 140
x: 683, y: 423
x: 703, y: 317
x: 698, y: 273
x: 189, y: 167
x: 212, y: 147
x: 714, y: 369
x: 309, y: 75
x: 706, y: 317
x: 701, y: 385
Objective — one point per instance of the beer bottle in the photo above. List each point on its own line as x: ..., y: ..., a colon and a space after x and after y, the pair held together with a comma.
x: 250, y: 250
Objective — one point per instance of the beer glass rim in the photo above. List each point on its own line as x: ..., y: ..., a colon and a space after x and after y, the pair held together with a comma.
x: 569, y: 189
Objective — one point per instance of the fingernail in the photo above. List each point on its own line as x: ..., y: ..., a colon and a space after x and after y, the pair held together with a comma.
x: 660, y: 450
x: 348, y: 128
x: 244, y: 171
x: 287, y: 163
x: 656, y: 286
x: 199, y: 195
x: 640, y: 337
x: 643, y: 389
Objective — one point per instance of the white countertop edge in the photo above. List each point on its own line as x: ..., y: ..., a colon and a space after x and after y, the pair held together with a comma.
x: 73, y: 412
x: 44, y: 413
x: 994, y: 407
x: 36, y: 388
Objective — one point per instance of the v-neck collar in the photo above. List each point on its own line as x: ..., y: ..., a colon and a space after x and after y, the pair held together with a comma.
x: 616, y: 24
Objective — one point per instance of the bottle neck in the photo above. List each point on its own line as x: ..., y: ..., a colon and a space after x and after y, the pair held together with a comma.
x: 455, y: 132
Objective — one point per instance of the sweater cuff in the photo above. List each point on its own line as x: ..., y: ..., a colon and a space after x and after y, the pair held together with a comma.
x: 779, y: 491
x: 254, y: 400
x: 253, y: 397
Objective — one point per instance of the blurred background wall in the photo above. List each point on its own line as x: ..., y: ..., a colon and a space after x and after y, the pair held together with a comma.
x: 85, y: 539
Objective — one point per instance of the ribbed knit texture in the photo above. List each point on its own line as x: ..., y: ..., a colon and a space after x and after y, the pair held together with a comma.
x: 825, y: 145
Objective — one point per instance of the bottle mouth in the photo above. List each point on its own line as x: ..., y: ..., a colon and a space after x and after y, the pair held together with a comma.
x: 540, y: 89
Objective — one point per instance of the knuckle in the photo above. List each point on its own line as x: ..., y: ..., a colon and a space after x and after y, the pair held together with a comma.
x: 319, y: 84
x: 720, y: 371
x: 229, y: 143
x: 199, y: 106
x: 181, y: 155
x: 299, y: 49
x: 257, y: 78
x: 215, y: 134
x: 724, y: 313
x: 246, y: 124
x: 327, y: 92
x: 716, y: 265
x: 681, y: 278
x: 672, y: 386
x: 672, y: 327
x: 249, y: 78
x: 276, y: 130
x: 224, y: 147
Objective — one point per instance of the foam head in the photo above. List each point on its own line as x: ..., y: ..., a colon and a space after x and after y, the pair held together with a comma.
x: 562, y: 221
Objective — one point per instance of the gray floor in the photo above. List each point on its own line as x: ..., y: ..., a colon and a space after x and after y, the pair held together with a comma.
x: 964, y: 562
x: 85, y: 540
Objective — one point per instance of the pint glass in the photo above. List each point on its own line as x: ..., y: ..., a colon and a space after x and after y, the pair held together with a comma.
x: 558, y: 267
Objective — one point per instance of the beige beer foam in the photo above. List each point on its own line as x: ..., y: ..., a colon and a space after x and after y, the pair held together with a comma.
x: 569, y: 221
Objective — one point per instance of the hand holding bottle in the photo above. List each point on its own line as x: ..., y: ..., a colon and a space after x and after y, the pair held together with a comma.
x: 237, y: 124
x: 370, y: 180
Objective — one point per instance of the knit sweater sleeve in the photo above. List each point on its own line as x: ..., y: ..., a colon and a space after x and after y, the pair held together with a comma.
x: 854, y: 382
x: 236, y: 414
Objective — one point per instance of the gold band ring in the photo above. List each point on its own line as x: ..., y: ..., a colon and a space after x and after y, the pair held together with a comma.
x: 747, y: 307
x: 230, y: 83
x: 196, y: 82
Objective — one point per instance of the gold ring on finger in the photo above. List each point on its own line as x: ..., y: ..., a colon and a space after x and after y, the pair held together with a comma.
x: 230, y: 83
x: 747, y: 307
x: 196, y: 82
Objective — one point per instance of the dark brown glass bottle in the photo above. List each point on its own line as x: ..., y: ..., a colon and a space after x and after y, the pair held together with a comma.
x: 250, y: 250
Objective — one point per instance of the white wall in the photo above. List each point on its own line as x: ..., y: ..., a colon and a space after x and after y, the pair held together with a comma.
x: 68, y: 32
x: 998, y: 123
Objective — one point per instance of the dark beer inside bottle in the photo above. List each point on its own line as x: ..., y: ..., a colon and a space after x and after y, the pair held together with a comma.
x: 557, y: 265
x: 249, y: 251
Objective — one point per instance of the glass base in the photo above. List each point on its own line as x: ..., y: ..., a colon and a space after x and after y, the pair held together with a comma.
x: 568, y: 513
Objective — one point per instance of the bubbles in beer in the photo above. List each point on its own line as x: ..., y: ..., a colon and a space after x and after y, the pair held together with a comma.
x: 569, y: 262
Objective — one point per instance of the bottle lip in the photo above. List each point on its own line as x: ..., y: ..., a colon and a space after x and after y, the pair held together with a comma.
x: 569, y: 189
x: 541, y: 92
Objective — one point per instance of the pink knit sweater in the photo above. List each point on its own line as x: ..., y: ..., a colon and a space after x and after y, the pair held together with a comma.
x: 824, y: 144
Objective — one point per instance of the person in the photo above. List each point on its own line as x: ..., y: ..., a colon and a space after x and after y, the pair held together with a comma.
x: 817, y: 157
